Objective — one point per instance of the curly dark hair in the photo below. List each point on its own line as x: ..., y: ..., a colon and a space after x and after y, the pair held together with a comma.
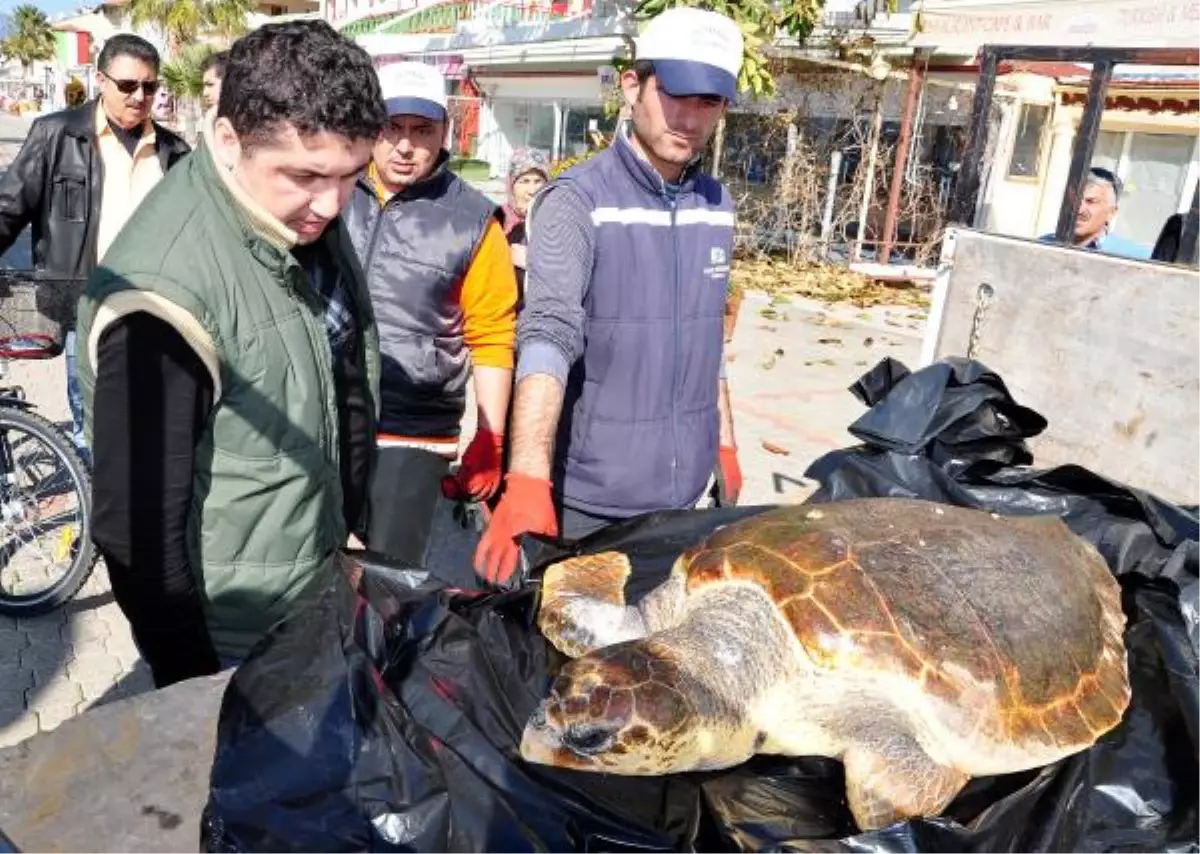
x: 303, y: 74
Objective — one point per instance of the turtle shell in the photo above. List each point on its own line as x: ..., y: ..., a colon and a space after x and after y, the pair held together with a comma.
x: 955, y: 599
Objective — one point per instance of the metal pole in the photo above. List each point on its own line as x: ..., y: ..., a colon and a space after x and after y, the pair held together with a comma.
x: 869, y: 184
x: 963, y: 211
x: 1081, y: 154
x: 916, y: 80
x: 835, y: 170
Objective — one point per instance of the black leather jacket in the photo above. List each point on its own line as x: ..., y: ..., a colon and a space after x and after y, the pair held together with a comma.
x: 54, y: 185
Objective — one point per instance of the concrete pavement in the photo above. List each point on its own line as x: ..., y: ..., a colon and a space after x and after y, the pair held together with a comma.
x: 789, y: 367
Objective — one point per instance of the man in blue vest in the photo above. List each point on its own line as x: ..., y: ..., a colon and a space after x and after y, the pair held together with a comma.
x: 621, y: 404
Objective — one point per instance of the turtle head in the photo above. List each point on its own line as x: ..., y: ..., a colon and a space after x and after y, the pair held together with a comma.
x: 631, y: 709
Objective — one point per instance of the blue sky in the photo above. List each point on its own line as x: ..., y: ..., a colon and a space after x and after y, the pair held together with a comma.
x: 50, y: 7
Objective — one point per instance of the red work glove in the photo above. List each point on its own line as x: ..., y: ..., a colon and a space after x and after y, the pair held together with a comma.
x: 729, y: 476
x: 525, y: 508
x: 478, y: 475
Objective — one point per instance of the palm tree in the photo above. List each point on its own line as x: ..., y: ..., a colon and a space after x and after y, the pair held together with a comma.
x: 181, y: 21
x: 182, y: 75
x: 30, y: 37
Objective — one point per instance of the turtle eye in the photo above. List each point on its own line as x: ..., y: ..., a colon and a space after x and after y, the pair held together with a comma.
x: 588, y: 739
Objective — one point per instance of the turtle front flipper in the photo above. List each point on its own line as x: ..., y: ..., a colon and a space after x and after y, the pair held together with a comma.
x: 583, y: 604
x: 889, y: 778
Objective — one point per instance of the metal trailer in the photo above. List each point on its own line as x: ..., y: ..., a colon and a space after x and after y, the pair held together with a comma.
x: 1106, y: 348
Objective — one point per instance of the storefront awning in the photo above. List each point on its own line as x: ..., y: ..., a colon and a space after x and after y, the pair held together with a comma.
x: 961, y: 26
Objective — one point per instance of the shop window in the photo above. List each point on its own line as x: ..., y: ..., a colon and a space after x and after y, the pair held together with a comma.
x: 1106, y: 154
x: 1155, y: 180
x: 541, y: 127
x: 578, y: 123
x: 1027, y: 147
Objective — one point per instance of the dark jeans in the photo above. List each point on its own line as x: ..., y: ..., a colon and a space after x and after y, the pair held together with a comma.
x: 405, y: 490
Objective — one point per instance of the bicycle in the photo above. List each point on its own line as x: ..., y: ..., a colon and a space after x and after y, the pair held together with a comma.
x: 46, y: 551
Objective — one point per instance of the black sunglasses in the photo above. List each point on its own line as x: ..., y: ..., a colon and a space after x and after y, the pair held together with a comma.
x: 128, y: 87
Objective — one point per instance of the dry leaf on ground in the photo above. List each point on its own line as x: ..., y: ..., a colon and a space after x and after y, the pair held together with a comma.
x: 826, y: 282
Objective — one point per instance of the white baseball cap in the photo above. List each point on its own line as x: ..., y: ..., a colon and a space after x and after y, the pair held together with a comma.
x: 414, y: 88
x: 694, y: 51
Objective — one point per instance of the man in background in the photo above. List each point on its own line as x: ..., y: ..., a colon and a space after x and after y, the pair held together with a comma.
x: 444, y: 292
x: 230, y: 360
x: 212, y: 72
x: 1097, y: 210
x: 82, y: 172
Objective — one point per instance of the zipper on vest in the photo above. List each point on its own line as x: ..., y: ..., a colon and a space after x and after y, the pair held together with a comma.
x: 375, y: 229
x: 672, y: 203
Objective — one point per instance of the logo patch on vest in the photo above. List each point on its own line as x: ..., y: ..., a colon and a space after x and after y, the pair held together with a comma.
x: 718, y: 263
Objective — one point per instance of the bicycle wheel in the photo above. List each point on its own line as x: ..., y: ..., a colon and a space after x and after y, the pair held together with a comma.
x: 46, y: 551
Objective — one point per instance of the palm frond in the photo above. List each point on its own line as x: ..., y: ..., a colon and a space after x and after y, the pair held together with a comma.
x: 30, y: 37
x: 182, y: 74
x: 182, y: 21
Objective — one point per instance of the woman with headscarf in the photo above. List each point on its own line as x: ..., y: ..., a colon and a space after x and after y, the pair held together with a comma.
x: 528, y: 172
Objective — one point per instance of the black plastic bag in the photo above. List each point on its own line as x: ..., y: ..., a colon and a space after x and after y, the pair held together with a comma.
x: 389, y: 719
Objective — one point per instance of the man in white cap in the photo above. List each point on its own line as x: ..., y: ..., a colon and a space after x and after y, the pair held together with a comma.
x: 621, y: 403
x: 444, y: 293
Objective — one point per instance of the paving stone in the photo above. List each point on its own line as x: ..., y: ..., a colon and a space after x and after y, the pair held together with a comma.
x: 10, y: 654
x: 18, y: 730
x: 56, y: 691
x: 50, y: 716
x: 88, y: 633
x: 42, y: 630
x: 121, y: 647
x: 10, y: 628
x: 12, y: 700
x: 46, y: 657
x: 95, y: 676
x: 97, y: 583
x: 16, y: 681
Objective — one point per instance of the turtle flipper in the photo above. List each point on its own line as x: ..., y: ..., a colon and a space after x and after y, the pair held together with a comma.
x: 889, y: 778
x: 583, y: 604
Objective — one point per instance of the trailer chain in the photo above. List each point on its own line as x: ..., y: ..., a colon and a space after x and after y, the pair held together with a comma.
x: 983, y: 299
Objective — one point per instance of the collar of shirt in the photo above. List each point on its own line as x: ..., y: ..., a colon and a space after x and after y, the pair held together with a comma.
x: 382, y: 194
x: 148, y: 137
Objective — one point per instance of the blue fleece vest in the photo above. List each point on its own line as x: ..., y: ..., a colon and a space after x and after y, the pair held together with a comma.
x: 640, y: 424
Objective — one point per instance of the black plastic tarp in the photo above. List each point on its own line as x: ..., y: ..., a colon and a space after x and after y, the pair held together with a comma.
x: 387, y: 717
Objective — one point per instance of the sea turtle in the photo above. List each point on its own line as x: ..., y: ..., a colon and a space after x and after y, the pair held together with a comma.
x: 920, y: 644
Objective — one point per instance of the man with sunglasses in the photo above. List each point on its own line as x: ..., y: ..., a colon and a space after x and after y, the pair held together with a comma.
x: 83, y: 171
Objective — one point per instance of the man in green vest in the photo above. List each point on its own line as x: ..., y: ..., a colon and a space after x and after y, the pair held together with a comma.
x: 229, y: 359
